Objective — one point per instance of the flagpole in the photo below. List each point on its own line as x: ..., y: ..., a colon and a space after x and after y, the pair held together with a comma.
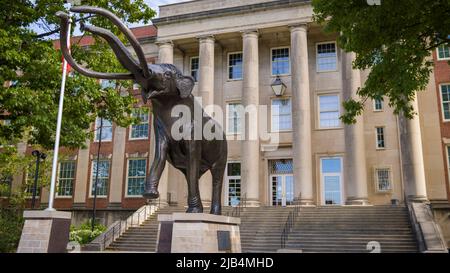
x: 58, y: 128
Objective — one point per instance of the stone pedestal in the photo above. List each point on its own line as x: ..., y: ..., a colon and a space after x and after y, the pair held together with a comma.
x: 45, y: 232
x: 198, y: 233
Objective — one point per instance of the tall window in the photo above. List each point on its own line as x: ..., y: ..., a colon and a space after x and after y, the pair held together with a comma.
x: 103, y: 177
x: 194, y: 68
x: 380, y: 138
x: 235, y: 66
x: 234, y: 183
x: 137, y: 169
x: 107, y: 130
x: 140, y: 131
x: 329, y: 111
x: 280, y: 61
x: 443, y: 52
x: 445, y: 96
x: 281, y: 115
x: 234, y: 118
x: 66, y: 178
x: 326, y: 57
x: 378, y: 105
x: 383, y: 179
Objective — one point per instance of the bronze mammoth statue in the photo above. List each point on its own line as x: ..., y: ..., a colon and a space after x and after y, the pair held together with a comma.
x: 166, y: 87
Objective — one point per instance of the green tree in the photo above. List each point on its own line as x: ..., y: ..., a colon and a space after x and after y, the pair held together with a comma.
x: 31, y: 63
x: 394, y: 40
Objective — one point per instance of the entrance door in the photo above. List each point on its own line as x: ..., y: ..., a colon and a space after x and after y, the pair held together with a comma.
x: 331, y: 176
x: 282, y: 189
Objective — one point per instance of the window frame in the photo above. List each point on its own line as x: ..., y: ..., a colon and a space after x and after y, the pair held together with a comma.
x: 96, y: 132
x: 127, y: 176
x: 341, y: 177
x: 272, y: 130
x: 384, y: 138
x: 130, y: 131
x: 73, y: 182
x: 228, y: 132
x: 375, y: 105
x: 445, y: 58
x: 228, y: 66
x: 190, y: 67
x: 442, y: 101
x: 271, y: 61
x: 317, y: 57
x: 377, y: 182
x: 92, y: 178
x: 319, y: 126
x: 227, y: 182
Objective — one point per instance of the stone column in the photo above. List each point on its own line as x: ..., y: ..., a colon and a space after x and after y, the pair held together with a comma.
x: 165, y: 55
x: 356, y: 170
x: 412, y: 157
x: 250, y: 155
x: 206, y: 91
x: 206, y: 70
x: 82, y: 178
x: 301, y: 114
x: 117, y: 166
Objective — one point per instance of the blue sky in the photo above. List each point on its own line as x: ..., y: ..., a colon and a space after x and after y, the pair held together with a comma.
x: 152, y: 3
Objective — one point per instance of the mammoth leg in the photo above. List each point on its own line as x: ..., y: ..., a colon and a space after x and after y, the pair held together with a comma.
x: 158, y: 164
x: 217, y: 172
x: 192, y: 175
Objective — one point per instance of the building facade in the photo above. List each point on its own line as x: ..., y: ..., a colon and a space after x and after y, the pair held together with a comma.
x: 236, y: 50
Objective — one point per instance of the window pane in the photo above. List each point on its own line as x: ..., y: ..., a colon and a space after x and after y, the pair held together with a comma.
x: 329, y: 111
x: 444, y: 52
x: 383, y: 178
x: 281, y: 115
x: 380, y: 137
x: 140, y: 131
x: 280, y: 61
x: 234, y: 118
x: 281, y: 166
x: 106, y: 130
x: 66, y: 178
x: 234, y: 169
x: 137, y: 170
x: 445, y: 94
x: 326, y: 57
x: 103, y: 177
x: 194, y: 67
x: 235, y: 66
x: 378, y: 104
x: 331, y: 165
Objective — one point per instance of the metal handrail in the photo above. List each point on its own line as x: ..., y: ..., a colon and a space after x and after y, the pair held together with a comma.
x: 119, y: 227
x: 236, y: 212
x: 290, y: 222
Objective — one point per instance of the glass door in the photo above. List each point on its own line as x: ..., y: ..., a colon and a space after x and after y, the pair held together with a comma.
x: 282, y: 190
x: 331, y: 176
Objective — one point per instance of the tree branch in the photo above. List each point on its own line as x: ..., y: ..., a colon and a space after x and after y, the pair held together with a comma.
x: 58, y: 29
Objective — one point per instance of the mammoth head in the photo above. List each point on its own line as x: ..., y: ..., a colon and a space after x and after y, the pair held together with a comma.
x: 155, y: 80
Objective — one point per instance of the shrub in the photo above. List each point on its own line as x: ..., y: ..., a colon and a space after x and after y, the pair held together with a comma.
x: 11, y: 224
x: 84, y: 233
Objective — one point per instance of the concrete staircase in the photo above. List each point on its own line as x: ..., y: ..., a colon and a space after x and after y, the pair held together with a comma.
x: 350, y: 229
x: 322, y: 229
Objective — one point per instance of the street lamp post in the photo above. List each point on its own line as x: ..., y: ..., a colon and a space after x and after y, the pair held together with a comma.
x: 39, y: 155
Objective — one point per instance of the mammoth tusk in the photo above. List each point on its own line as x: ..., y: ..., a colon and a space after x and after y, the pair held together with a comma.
x: 126, y: 31
x: 65, y: 21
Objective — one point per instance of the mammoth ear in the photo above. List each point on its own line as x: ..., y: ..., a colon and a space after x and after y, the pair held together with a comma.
x: 185, y: 85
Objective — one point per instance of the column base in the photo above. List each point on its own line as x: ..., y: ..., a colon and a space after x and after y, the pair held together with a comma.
x: 252, y: 203
x: 355, y: 201
x: 45, y: 232
x: 305, y: 202
x: 206, y: 203
x: 418, y: 198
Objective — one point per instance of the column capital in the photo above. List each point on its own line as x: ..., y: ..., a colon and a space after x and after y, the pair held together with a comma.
x: 298, y: 27
x: 250, y: 32
x: 208, y: 38
x: 164, y: 43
